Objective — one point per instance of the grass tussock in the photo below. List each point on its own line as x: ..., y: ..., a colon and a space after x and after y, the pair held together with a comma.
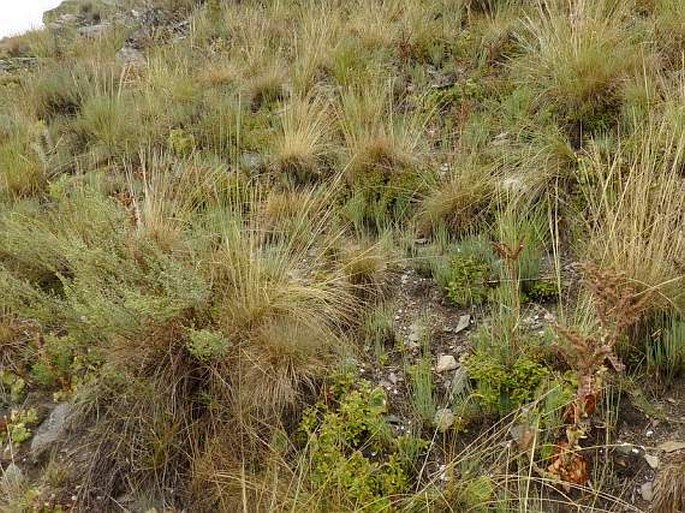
x: 321, y: 255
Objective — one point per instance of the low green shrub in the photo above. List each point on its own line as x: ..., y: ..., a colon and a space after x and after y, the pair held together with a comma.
x: 502, y: 388
x: 207, y: 345
x: 354, y: 458
x: 469, y: 281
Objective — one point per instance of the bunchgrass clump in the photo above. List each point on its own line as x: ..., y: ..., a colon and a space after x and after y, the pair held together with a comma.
x: 191, y: 244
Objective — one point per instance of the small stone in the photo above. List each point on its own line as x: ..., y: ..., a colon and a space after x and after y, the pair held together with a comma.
x: 464, y: 322
x: 671, y: 446
x: 130, y: 56
x: 459, y: 382
x: 94, y: 31
x: 652, y: 461
x: 51, y: 429
x: 444, y: 418
x: 647, y: 491
x: 392, y: 377
x: 414, y: 332
x: 12, y: 478
x: 251, y: 161
x: 446, y: 363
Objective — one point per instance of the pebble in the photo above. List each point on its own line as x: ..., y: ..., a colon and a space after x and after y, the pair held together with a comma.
x: 12, y: 478
x: 464, y: 322
x: 446, y: 362
x: 414, y: 332
x: 647, y: 491
x: 444, y: 419
x: 671, y: 446
x: 652, y: 461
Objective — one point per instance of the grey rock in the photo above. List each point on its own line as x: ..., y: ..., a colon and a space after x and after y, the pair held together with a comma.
x: 12, y: 478
x: 444, y: 419
x: 652, y: 461
x: 51, y: 429
x: 94, y: 31
x: 647, y: 491
x: 459, y: 382
x: 446, y: 362
x: 414, y: 332
x: 464, y: 322
x: 131, y: 56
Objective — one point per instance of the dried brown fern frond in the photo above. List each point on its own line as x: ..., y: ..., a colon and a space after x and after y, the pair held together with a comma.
x: 585, y: 353
x: 616, y: 300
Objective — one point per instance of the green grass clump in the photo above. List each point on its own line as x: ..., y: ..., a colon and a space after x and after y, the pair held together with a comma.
x: 566, y: 62
x: 191, y: 243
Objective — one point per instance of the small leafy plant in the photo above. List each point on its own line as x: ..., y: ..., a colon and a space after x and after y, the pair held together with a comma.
x: 353, y: 454
x: 469, y: 280
x: 17, y: 428
x: 501, y: 387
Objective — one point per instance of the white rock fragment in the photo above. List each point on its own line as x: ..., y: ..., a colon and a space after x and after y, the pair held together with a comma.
x: 647, y: 491
x: 446, y: 363
x: 464, y: 322
x: 444, y: 419
x: 12, y: 479
x: 672, y: 446
x: 652, y: 461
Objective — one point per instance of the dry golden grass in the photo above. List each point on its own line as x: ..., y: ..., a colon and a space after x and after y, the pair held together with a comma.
x: 303, y: 146
x: 635, y: 203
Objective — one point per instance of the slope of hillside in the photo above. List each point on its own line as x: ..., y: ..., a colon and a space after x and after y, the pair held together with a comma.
x: 410, y: 255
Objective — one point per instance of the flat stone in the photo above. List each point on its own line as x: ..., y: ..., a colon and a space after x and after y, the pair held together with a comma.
x: 51, y: 429
x: 446, y: 362
x: 459, y: 382
x: 671, y: 446
x: 464, y: 322
x: 444, y: 419
x: 414, y: 333
x: 12, y: 479
x: 647, y: 491
x: 652, y: 461
x: 94, y: 31
x: 131, y: 56
x: 251, y: 161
